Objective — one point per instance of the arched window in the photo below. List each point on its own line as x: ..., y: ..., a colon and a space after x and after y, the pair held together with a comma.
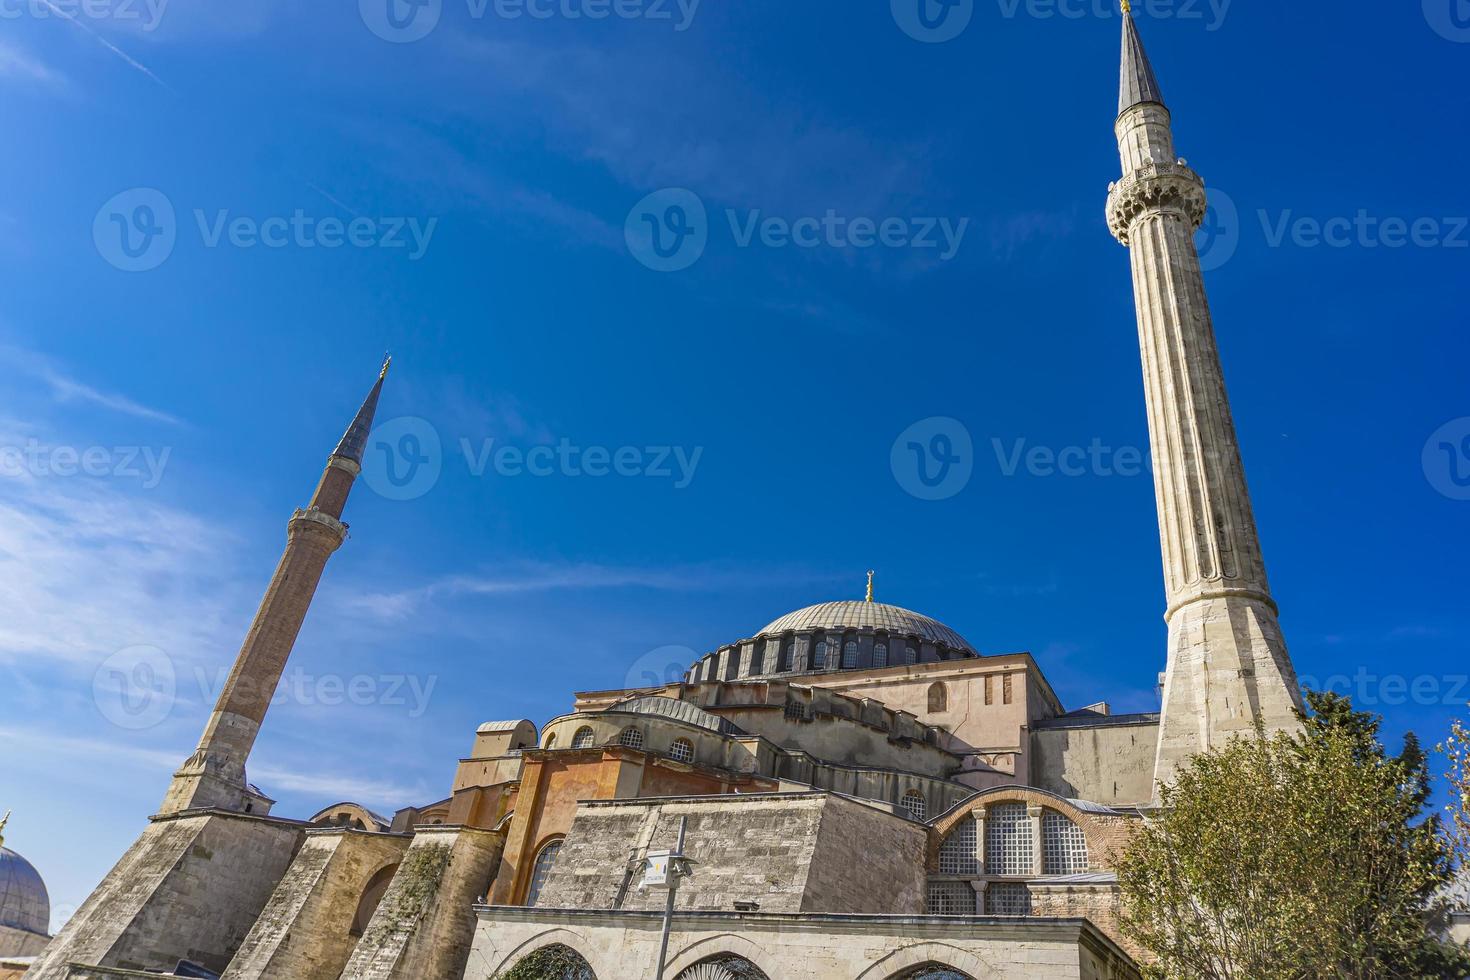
x: 910, y: 655
x: 631, y: 738
x: 551, y: 741
x: 1008, y: 846
x: 951, y: 898
x: 584, y: 738
x: 1063, y: 845
x: 913, y: 802
x: 541, y: 870
x: 819, y: 655
x: 934, y: 971
x: 723, y: 967
x: 849, y: 655
x: 880, y: 655
x: 958, y: 854
x: 555, y: 960
x: 682, y: 750
x: 938, y: 698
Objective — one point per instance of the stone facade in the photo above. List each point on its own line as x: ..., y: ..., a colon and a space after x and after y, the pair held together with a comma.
x: 190, y: 888
x: 623, y: 945
x: 785, y: 852
x: 307, y: 929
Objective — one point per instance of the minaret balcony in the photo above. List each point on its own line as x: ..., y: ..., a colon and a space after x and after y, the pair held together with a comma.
x: 1160, y: 187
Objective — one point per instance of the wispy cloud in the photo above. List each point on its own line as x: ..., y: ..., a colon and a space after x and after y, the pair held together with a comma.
x: 19, y: 65
x: 65, y: 388
x: 535, y: 577
x: 126, y: 58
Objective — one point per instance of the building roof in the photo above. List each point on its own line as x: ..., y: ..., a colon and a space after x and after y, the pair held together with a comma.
x: 1139, y: 84
x: 24, y: 903
x: 877, y: 615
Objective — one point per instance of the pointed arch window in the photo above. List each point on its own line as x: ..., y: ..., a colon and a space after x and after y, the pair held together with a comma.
x: 541, y: 870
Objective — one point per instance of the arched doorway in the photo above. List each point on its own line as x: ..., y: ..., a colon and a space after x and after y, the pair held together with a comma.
x: 554, y: 962
x: 371, y: 896
x: 723, y: 967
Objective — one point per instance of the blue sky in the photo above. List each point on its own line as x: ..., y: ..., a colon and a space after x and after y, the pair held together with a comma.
x: 473, y: 201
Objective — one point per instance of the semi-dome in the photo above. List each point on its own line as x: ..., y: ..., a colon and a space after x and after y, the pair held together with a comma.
x: 874, y: 615
x: 24, y: 903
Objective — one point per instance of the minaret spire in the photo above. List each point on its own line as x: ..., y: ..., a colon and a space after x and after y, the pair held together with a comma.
x: 1228, y: 670
x: 1138, y: 83
x: 214, y: 776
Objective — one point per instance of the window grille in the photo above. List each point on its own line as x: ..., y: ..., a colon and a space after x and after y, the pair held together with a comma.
x: 1063, y: 846
x: 1008, y: 846
x: 631, y: 738
x: 913, y: 802
x: 1007, y: 898
x: 910, y: 655
x: 880, y: 655
x: 951, y: 898
x: 682, y: 750
x: 542, y: 870
x: 583, y: 739
x: 957, y: 853
x: 849, y: 654
x: 795, y: 711
x: 819, y: 655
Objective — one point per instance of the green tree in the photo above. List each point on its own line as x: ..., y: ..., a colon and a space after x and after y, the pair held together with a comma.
x: 1302, y: 856
x: 549, y: 963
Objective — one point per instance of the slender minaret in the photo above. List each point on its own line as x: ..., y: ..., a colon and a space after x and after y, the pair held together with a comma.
x: 214, y: 776
x: 1228, y: 671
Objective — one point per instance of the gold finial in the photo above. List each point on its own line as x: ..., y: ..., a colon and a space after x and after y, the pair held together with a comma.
x: 3, y: 821
x: 1127, y: 6
x: 870, y: 587
x: 387, y: 360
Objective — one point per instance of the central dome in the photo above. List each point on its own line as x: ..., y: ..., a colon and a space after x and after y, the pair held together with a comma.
x: 875, y: 615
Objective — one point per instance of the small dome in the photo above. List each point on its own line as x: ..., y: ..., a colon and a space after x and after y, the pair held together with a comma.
x: 24, y: 904
x: 857, y: 614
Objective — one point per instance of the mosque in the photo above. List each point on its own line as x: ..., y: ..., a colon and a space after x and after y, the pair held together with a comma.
x: 25, y: 911
x: 853, y: 791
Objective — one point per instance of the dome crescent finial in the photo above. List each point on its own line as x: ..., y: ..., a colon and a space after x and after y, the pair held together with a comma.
x: 870, y: 586
x: 3, y: 821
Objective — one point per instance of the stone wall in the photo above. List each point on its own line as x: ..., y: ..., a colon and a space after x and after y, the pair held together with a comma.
x: 623, y: 945
x: 424, y: 924
x: 788, y: 853
x: 1108, y: 760
x: 305, y: 930
x: 190, y: 888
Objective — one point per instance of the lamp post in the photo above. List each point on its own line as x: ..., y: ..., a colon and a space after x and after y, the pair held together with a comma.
x: 663, y: 869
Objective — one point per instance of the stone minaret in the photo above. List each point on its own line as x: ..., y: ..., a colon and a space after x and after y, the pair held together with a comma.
x: 1228, y: 671
x: 214, y: 776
